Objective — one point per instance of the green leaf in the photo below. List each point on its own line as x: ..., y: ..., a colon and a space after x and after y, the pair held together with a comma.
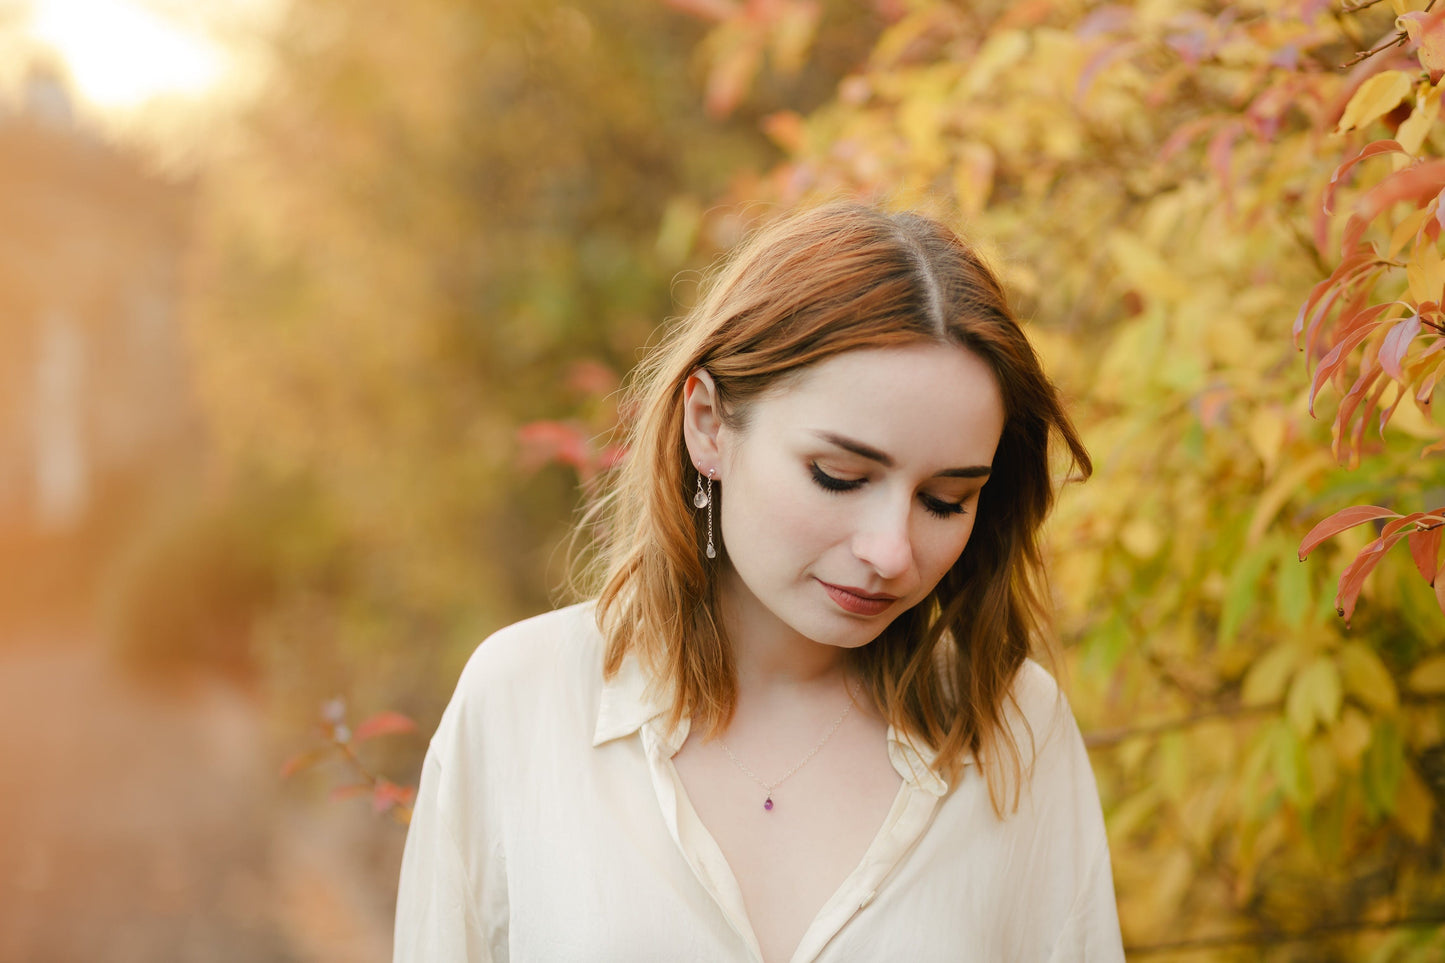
x: 1366, y: 678
x: 1292, y: 594
x: 1429, y: 676
x: 1291, y: 768
x: 1314, y: 696
x: 1267, y: 678
x: 1242, y: 595
x: 1383, y: 765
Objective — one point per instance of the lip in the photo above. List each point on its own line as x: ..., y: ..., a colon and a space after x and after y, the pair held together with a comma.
x: 856, y: 601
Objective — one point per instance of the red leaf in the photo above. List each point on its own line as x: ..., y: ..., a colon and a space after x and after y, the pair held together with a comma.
x: 303, y: 760
x: 1396, y: 343
x: 1369, y: 150
x: 1425, y: 550
x: 1352, y: 579
x: 718, y: 10
x: 383, y: 723
x: 1351, y: 401
x: 1338, y: 522
x: 1418, y: 183
x: 341, y: 793
x: 387, y: 794
x: 1097, y: 63
x: 549, y: 441
x: 1221, y: 155
x: 1338, y: 355
x: 1343, y: 276
x: 1182, y: 135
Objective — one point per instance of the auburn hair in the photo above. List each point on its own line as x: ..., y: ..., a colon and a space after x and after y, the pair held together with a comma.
x: 808, y: 287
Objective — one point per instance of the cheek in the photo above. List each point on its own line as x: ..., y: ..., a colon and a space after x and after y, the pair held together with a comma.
x: 776, y: 511
x: 938, y: 554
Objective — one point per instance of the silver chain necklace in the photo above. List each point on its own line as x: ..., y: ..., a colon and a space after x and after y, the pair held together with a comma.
x: 768, y: 787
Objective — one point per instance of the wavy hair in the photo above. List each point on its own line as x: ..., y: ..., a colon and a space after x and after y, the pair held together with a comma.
x: 836, y: 279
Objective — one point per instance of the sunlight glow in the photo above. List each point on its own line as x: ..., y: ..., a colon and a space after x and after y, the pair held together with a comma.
x: 120, y: 54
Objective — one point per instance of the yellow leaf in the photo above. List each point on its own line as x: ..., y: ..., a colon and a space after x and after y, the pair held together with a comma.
x: 1426, y: 273
x: 1416, y: 128
x: 1314, y: 696
x: 1414, y: 806
x: 973, y: 176
x: 1266, y: 679
x: 1351, y: 737
x: 1001, y: 50
x: 1131, y: 814
x: 1282, y: 489
x: 1376, y: 97
x: 1231, y: 342
x: 1429, y: 676
x: 1366, y: 677
x: 1409, y: 227
x: 1265, y: 430
x: 1142, y: 538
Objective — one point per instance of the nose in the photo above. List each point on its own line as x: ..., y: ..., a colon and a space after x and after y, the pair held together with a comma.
x: 885, y: 543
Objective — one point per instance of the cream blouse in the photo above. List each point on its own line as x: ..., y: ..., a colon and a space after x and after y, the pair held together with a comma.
x: 551, y: 826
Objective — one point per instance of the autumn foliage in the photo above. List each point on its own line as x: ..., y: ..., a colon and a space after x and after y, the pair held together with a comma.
x: 1222, y: 221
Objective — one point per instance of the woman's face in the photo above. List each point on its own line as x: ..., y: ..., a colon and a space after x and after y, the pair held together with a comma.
x: 849, y: 492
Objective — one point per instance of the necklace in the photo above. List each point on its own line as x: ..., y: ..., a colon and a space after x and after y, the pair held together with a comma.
x: 768, y: 787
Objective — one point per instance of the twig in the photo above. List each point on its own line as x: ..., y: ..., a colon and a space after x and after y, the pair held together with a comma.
x: 1323, y: 931
x: 1105, y: 738
x: 1102, y: 738
x: 1364, y: 55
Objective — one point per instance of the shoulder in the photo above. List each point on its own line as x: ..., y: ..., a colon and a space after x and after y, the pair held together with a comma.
x: 540, y: 668
x: 558, y: 639
x: 1047, y: 735
x: 1037, y: 701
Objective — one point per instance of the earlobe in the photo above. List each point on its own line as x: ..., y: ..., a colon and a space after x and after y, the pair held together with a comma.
x: 701, y: 419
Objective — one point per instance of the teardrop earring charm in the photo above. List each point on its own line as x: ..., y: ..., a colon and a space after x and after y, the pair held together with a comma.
x: 703, y: 499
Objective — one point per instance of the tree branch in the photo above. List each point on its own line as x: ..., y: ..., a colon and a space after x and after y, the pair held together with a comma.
x: 1323, y: 931
x: 1106, y: 738
x: 1364, y: 55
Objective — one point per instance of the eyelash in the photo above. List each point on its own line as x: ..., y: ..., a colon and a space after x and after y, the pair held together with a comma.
x: 829, y: 483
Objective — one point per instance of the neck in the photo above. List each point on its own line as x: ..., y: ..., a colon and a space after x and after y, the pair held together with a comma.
x: 770, y: 656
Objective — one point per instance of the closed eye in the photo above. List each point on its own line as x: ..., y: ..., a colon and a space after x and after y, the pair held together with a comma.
x: 833, y: 483
x: 937, y: 507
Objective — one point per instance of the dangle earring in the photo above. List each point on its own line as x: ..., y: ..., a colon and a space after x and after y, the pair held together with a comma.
x: 703, y: 499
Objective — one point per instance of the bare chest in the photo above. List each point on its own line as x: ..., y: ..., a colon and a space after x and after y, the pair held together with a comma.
x: 790, y: 859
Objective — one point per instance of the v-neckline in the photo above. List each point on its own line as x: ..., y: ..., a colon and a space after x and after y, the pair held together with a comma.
x: 908, y: 816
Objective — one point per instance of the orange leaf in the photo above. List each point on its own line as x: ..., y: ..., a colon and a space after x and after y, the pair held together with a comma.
x: 1396, y: 343
x: 718, y: 10
x: 1338, y: 355
x: 1427, y: 31
x: 387, y: 794
x: 349, y: 792
x: 1374, y: 149
x: 303, y: 760
x: 1352, y: 579
x: 1338, y: 522
x: 1425, y: 550
x: 383, y: 723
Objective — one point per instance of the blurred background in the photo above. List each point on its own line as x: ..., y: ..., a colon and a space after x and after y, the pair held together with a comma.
x: 311, y: 315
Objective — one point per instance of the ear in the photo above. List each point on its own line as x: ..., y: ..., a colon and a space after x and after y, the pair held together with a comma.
x: 701, y: 420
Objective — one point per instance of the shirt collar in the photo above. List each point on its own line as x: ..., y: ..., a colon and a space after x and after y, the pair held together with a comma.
x: 627, y: 705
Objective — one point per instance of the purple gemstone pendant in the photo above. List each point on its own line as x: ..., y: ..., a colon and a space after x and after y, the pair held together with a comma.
x: 768, y: 803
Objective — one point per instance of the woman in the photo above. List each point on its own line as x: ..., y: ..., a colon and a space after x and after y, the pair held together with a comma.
x: 800, y: 721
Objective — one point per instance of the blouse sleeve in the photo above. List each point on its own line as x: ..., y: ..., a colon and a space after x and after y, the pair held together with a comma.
x: 436, y: 914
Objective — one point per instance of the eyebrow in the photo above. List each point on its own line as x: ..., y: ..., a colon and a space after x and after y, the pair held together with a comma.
x: 882, y: 458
